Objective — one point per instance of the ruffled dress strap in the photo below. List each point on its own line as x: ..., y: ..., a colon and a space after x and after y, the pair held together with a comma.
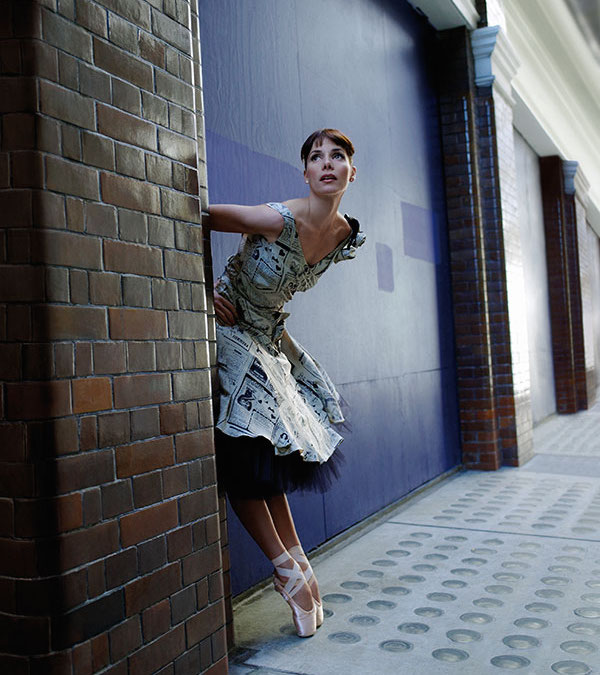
x: 354, y: 241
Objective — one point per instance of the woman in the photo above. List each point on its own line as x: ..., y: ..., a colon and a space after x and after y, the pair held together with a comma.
x: 277, y: 405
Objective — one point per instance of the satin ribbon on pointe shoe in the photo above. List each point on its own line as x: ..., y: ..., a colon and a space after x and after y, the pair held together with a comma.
x: 300, y: 557
x: 304, y: 620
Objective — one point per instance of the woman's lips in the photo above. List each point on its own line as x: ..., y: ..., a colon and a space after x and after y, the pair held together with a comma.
x: 328, y: 176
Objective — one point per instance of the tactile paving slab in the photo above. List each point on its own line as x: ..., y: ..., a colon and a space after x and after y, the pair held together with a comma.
x: 513, y: 501
x: 507, y: 579
x: 569, y: 435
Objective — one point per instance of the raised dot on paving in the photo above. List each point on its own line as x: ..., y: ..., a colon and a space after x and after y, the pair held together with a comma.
x: 507, y: 576
x: 571, y: 668
x: 476, y: 617
x: 515, y: 565
x: 487, y: 602
x: 454, y: 583
x: 354, y: 585
x: 337, y: 598
x: 414, y: 628
x: 531, y: 623
x: 549, y: 593
x: 398, y: 553
x: 562, y: 569
x: 344, y: 637
x: 464, y: 572
x: 410, y: 544
x: 450, y: 655
x: 430, y: 612
x: 540, y: 607
x: 584, y: 629
x: 395, y: 590
x: 441, y: 597
x: 474, y: 561
x: 499, y: 589
x: 510, y: 662
x: 588, y: 612
x: 581, y: 647
x: 365, y: 620
x: 381, y: 605
x: 411, y: 578
x: 591, y: 597
x: 423, y: 567
x: 556, y: 581
x: 370, y: 574
x: 421, y: 535
x: 384, y: 563
x: 395, y: 646
x: 463, y: 635
x: 521, y: 641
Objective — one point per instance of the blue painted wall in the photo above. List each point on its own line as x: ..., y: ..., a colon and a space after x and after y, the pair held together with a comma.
x: 273, y: 71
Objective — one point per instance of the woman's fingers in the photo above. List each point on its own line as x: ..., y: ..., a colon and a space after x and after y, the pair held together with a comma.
x: 225, y: 311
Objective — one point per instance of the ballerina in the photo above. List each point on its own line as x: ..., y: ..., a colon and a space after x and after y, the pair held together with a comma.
x: 274, y: 432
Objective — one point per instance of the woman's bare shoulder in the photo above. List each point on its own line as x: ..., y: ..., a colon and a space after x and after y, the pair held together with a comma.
x: 297, y: 206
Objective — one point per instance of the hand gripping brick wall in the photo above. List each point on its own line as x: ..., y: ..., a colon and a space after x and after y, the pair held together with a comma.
x: 110, y: 552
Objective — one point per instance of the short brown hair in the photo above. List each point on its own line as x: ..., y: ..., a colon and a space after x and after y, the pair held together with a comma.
x: 333, y: 135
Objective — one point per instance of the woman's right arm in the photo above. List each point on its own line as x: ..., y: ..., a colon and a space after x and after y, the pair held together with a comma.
x: 261, y: 219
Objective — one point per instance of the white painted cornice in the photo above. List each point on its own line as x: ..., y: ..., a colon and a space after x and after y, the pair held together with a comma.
x: 557, y: 88
x: 495, y: 59
x: 569, y: 170
x: 582, y: 188
x: 483, y: 42
x: 444, y: 14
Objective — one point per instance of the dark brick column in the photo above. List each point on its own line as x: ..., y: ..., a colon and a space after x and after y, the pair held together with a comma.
x: 478, y: 250
x: 468, y: 257
x: 110, y: 553
x: 566, y: 316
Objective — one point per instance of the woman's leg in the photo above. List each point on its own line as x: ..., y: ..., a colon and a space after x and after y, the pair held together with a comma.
x: 256, y: 517
x: 283, y: 522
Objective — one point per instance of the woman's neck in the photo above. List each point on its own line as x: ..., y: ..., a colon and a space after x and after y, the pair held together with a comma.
x: 321, y: 212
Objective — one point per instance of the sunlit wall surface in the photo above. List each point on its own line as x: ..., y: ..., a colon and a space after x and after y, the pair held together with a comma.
x: 275, y: 70
x: 533, y: 244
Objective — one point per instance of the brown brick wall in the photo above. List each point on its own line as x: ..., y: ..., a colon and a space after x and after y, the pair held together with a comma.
x: 475, y: 374
x: 110, y: 553
x: 571, y: 376
x: 492, y: 377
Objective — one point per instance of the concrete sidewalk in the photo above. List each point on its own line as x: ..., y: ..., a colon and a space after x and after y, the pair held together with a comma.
x: 481, y: 573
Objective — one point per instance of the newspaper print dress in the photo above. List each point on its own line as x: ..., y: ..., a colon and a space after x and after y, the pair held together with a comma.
x: 270, y: 386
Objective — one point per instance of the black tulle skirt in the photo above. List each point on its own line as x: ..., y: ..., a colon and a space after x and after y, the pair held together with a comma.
x: 248, y: 468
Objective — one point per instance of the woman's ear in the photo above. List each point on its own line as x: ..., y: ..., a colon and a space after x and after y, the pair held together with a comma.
x: 353, y: 174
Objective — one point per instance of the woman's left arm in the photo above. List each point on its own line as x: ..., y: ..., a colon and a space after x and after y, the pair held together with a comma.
x: 261, y: 219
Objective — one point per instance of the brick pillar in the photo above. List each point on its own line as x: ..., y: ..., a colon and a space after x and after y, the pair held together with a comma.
x: 562, y: 258
x: 468, y: 256
x: 485, y: 252
x: 495, y: 67
x: 110, y: 555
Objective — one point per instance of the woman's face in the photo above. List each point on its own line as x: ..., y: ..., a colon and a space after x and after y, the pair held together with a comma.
x: 328, y: 169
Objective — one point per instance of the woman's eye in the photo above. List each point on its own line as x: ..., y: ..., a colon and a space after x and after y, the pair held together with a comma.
x: 338, y: 155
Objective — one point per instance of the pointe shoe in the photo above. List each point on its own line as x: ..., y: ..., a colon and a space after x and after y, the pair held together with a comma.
x: 300, y: 557
x: 304, y: 620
